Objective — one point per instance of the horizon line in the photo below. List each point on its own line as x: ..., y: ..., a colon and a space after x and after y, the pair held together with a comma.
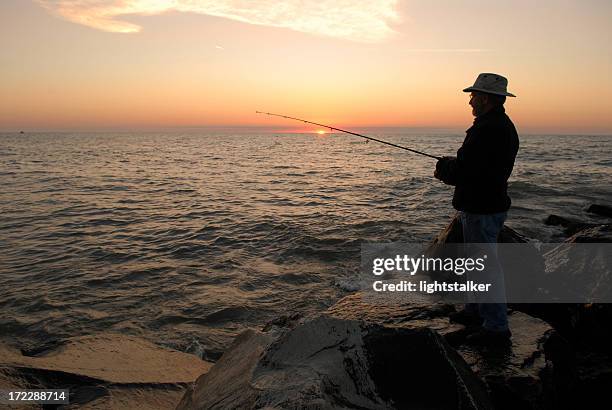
x: 266, y: 129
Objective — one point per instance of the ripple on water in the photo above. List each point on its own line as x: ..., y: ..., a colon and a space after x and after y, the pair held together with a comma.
x: 196, y: 238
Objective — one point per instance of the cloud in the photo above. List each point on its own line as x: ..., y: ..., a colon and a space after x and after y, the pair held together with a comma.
x: 357, y: 20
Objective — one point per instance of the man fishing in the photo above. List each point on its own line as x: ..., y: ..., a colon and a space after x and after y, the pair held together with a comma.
x: 480, y: 175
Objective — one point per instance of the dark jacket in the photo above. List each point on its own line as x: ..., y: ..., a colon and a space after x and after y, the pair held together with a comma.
x: 483, y: 165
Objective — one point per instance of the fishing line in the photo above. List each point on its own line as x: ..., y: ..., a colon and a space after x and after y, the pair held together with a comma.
x: 352, y: 133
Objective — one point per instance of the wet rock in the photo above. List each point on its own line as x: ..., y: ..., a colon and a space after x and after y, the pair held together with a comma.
x: 329, y: 363
x: 571, y: 226
x: 585, y: 326
x: 105, y: 371
x: 579, y: 347
x: 532, y: 373
x: 10, y: 379
x: 453, y: 233
x: 227, y: 384
x: 582, y: 270
x: 115, y: 359
x: 596, y: 234
x: 393, y: 313
x: 124, y: 397
x: 602, y: 210
x: 585, y: 277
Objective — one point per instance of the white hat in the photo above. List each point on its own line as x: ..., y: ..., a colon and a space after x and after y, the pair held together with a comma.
x: 490, y: 83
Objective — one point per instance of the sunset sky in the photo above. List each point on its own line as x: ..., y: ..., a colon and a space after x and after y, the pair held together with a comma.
x: 146, y: 64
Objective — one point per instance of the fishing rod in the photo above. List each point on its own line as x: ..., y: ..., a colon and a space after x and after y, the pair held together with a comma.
x: 352, y: 133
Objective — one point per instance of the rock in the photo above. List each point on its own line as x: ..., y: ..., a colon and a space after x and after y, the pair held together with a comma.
x: 580, y: 345
x: 585, y: 277
x: 358, y: 306
x: 571, y: 226
x: 453, y: 233
x: 226, y: 385
x: 602, y: 210
x: 129, y: 398
x: 556, y: 220
x: 115, y: 359
x: 329, y: 363
x: 582, y: 271
x: 533, y: 373
x: 530, y: 374
x: 596, y: 234
x: 106, y: 371
x: 10, y: 379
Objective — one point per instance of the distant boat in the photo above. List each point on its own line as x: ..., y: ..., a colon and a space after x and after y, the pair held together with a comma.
x: 21, y: 132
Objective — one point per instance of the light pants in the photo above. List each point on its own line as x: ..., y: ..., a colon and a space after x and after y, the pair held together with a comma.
x: 484, y: 228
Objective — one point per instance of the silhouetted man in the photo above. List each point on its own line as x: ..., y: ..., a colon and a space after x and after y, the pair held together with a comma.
x: 480, y: 173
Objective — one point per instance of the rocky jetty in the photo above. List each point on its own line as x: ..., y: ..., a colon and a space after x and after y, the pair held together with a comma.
x: 105, y: 371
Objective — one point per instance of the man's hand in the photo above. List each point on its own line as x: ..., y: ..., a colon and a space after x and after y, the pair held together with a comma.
x: 442, y: 171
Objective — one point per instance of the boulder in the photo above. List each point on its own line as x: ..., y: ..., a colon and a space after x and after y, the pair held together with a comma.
x: 571, y: 226
x: 105, y: 371
x: 595, y: 234
x: 532, y: 373
x: 602, y: 210
x: 330, y: 363
x: 583, y: 324
x: 582, y: 266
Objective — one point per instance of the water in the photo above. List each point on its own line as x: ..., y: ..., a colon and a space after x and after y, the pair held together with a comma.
x: 186, y: 240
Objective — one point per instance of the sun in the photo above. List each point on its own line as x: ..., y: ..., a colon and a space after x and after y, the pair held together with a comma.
x: 321, y: 132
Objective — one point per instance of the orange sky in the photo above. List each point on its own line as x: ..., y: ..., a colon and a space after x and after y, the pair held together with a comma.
x: 175, y: 63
